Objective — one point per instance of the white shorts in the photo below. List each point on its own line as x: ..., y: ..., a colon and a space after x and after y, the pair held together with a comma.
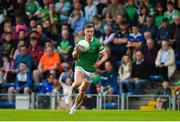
x: 87, y: 75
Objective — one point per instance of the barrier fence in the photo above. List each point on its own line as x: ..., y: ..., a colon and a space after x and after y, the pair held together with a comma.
x: 91, y: 101
x: 178, y: 103
x: 147, y: 101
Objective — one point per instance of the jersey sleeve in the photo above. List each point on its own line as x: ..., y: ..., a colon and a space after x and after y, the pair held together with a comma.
x: 100, y: 47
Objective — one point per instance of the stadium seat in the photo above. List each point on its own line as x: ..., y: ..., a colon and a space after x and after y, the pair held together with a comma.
x: 155, y: 78
x: 37, y: 87
x: 5, y: 104
x: 178, y: 63
x: 145, y: 108
x: 111, y: 105
x: 118, y: 63
x: 9, y: 84
x: 151, y: 103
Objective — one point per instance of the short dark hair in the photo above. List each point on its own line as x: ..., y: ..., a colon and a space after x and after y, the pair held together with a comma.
x: 124, y: 22
x: 48, y: 74
x: 33, y: 38
x: 170, y: 3
x: 23, y: 62
x: 89, y: 25
x: 165, y: 20
x: 150, y: 16
x: 23, y: 45
x: 8, y: 33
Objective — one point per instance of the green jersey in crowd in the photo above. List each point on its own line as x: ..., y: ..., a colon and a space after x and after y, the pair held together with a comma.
x: 87, y: 59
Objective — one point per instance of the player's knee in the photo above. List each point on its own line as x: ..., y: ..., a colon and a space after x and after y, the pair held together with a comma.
x: 81, y: 91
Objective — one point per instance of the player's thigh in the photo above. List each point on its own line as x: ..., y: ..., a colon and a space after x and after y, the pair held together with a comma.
x: 78, y: 76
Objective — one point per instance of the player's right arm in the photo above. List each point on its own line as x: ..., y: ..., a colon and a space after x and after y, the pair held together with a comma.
x: 76, y: 52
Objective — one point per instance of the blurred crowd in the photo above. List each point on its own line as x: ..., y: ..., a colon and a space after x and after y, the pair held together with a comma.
x: 37, y: 37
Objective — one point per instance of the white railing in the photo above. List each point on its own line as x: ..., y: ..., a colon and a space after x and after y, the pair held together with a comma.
x: 91, y: 101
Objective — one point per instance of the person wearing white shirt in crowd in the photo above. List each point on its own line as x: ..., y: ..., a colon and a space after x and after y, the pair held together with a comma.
x: 90, y: 10
x: 125, y: 73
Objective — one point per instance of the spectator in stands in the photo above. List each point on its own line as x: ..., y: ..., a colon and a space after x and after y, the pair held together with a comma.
x: 22, y: 57
x: 68, y: 73
x: 150, y: 53
x: 66, y: 87
x: 149, y: 26
x: 63, y: 7
x: 149, y: 6
x: 32, y: 24
x: 164, y: 33
x: 165, y: 61
x: 17, y: 51
x: 6, y: 70
x: 125, y: 74
x: 32, y: 8
x: 99, y: 27
x: 176, y: 35
x: 23, y: 80
x: 118, y: 46
x: 41, y: 35
x: 49, y: 62
x: 107, y: 36
x: 53, y: 14
x: 135, y: 40
x: 108, y: 19
x: 109, y: 79
x: 159, y: 14
x: 77, y: 22
x: 8, y: 45
x: 120, y: 18
x: 171, y: 12
x: 142, y: 15
x: 35, y: 51
x: 10, y: 8
x: 48, y: 84
x: 114, y: 8
x: 163, y: 102
x: 139, y: 72
x: 22, y: 36
x: 90, y: 10
x: 20, y: 24
x: 65, y: 46
x: 131, y: 11
x: 43, y: 14
x: 147, y: 35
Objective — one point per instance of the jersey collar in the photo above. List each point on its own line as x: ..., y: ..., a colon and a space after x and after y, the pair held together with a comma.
x: 91, y: 39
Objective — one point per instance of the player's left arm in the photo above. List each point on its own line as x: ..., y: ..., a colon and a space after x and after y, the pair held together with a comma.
x: 104, y: 56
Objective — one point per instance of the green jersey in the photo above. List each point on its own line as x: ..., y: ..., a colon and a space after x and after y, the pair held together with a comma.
x: 87, y: 59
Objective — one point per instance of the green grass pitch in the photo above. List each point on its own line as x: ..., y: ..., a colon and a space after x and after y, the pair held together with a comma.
x: 87, y: 115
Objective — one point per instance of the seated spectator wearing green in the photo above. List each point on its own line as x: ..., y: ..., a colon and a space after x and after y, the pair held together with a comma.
x: 159, y: 14
x: 171, y: 12
x: 32, y: 8
x: 131, y: 11
x: 65, y: 45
